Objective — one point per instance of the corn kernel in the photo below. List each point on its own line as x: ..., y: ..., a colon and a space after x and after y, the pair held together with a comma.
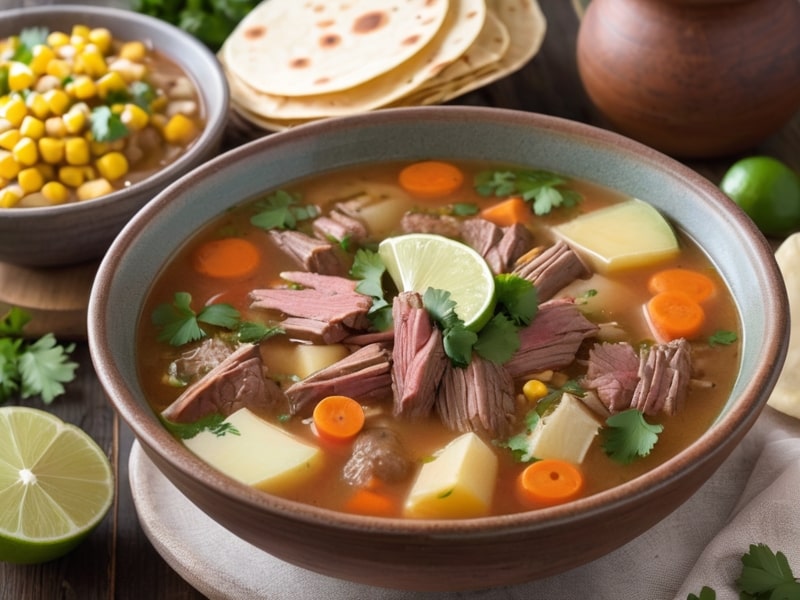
x: 54, y: 127
x: 57, y: 38
x: 51, y: 150
x: 5, y: 124
x: 15, y: 110
x: 82, y: 87
x: 74, y: 120
x: 57, y: 101
x: 55, y: 192
x: 94, y: 189
x: 59, y: 68
x: 30, y: 180
x: 159, y: 104
x: 25, y: 152
x: 10, y: 196
x: 134, y: 50
x: 9, y: 167
x: 534, y: 390
x: 41, y: 56
x: 130, y: 71
x: 37, y: 105
x: 76, y: 151
x: 80, y: 33
x: 102, y: 38
x: 134, y: 117
x: 112, y: 165
x: 9, y: 139
x: 180, y: 130
x: 48, y: 171
x: 32, y: 127
x: 92, y: 62
x: 20, y: 76
x: 71, y: 176
x: 98, y: 148
x: 110, y: 82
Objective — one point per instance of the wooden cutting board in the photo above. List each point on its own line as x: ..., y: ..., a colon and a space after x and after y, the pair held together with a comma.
x: 56, y: 298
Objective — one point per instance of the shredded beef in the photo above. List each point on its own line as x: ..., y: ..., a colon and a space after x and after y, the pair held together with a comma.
x: 613, y: 372
x: 479, y: 397
x: 237, y: 382
x: 414, y: 222
x: 552, y: 339
x: 196, y: 362
x: 377, y: 454
x: 551, y: 269
x: 418, y: 358
x: 499, y: 246
x: 339, y: 226
x: 364, y: 375
x: 664, y: 375
x: 309, y: 252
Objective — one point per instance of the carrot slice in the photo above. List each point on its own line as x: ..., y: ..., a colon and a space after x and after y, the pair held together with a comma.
x: 675, y: 315
x: 431, y: 178
x: 696, y: 285
x: 550, y: 482
x: 226, y: 258
x: 370, y: 502
x: 338, y: 418
x: 509, y: 212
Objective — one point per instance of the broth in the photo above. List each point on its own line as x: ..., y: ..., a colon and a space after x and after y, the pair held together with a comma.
x: 611, y: 298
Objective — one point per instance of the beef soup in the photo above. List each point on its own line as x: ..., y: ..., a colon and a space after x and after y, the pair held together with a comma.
x: 323, y: 342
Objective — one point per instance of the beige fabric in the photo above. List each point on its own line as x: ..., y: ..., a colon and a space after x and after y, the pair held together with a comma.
x: 298, y: 47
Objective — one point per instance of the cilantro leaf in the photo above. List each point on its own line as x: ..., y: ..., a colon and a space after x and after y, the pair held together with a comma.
x: 458, y: 342
x: 722, y: 338
x: 180, y: 325
x: 106, y: 125
x: 9, y: 367
x: 464, y: 209
x: 213, y: 423
x: 29, y: 38
x: 368, y: 268
x: 221, y: 315
x: 13, y: 322
x: 705, y: 594
x: 498, y: 340
x: 44, y: 367
x: 516, y: 297
x: 628, y: 436
x: 540, y: 188
x: 282, y: 210
x: 766, y: 574
x: 252, y: 332
x: 142, y: 94
x: 519, y: 444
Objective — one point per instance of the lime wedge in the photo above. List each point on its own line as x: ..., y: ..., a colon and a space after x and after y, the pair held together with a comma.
x: 56, y: 485
x: 417, y: 261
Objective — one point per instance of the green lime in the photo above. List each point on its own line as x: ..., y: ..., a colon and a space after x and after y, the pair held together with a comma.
x: 56, y: 485
x: 417, y: 261
x: 768, y: 191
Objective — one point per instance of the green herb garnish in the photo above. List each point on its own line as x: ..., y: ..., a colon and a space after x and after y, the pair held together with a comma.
x: 180, y: 324
x: 722, y: 338
x: 516, y: 297
x: 29, y: 38
x: 213, y: 423
x: 106, y: 125
x: 251, y: 332
x: 282, y: 210
x: 368, y: 269
x: 458, y: 341
x: 541, y: 188
x: 627, y: 436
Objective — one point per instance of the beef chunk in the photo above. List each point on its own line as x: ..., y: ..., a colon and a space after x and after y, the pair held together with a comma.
x: 195, y: 363
x: 445, y: 225
x: 499, y: 246
x: 418, y: 358
x: 364, y: 375
x: 237, y: 382
x: 339, y: 226
x: 477, y: 398
x: 664, y: 376
x: 613, y: 372
x: 551, y: 269
x: 377, y: 454
x: 309, y: 252
x: 552, y: 339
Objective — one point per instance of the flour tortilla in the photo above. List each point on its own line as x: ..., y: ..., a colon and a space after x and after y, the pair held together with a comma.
x: 309, y: 47
x: 786, y: 394
x: 462, y: 27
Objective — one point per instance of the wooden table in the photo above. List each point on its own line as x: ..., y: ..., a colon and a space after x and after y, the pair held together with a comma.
x: 117, y: 561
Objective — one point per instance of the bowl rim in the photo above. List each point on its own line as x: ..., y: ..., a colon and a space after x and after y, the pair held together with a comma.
x: 732, y: 425
x: 215, y: 118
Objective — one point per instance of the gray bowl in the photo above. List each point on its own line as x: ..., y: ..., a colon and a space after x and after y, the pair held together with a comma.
x: 76, y: 232
x: 441, y: 555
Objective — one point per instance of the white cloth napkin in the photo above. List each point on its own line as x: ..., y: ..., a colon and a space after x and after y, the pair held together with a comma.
x: 753, y: 498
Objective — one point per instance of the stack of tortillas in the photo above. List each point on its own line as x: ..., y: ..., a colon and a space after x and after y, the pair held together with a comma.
x: 293, y: 61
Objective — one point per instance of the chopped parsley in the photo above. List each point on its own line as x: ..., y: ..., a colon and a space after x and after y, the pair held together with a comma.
x: 542, y: 189
x: 628, y: 436
x: 107, y: 126
x: 282, y: 210
x: 180, y: 324
x: 214, y: 423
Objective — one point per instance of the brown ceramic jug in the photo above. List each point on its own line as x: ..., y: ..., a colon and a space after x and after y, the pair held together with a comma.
x: 692, y: 78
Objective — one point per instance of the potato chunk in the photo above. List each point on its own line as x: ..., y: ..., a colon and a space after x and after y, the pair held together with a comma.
x: 566, y: 433
x: 621, y: 236
x: 458, y: 483
x: 261, y: 455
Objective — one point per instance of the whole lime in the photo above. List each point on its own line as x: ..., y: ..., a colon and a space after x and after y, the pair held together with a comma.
x: 768, y: 191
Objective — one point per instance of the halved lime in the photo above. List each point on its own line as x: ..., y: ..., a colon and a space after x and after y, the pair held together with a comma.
x: 56, y: 485
x: 417, y: 261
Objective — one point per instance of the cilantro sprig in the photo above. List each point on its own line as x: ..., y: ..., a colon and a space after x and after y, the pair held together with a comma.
x: 107, y: 126
x: 213, y: 423
x: 38, y: 368
x: 628, y: 436
x: 29, y: 38
x: 368, y: 269
x: 543, y: 189
x: 282, y: 210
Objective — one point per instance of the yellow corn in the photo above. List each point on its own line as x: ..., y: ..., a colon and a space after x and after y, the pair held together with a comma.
x: 534, y: 390
x: 102, y: 38
x: 160, y: 103
x: 42, y: 55
x: 94, y: 189
x: 10, y: 196
x: 48, y: 171
x: 37, y: 105
x: 74, y: 120
x: 55, y: 192
x: 112, y: 81
x: 32, y: 127
x: 98, y: 148
x: 76, y: 151
x: 112, y: 165
x: 54, y: 127
x: 135, y: 51
x: 30, y: 180
x: 9, y: 139
x: 180, y: 130
x: 9, y: 167
x: 15, y: 110
x: 92, y: 62
x: 51, y: 150
x: 59, y: 68
x: 134, y: 117
x: 82, y: 87
x: 57, y: 101
x: 71, y: 176
x: 79, y: 35
x: 25, y: 152
x: 57, y: 38
x: 20, y: 76
x: 130, y: 70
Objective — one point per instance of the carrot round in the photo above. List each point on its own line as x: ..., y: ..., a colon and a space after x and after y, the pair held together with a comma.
x: 696, y: 285
x: 226, y: 258
x: 370, y: 502
x: 431, y: 178
x: 550, y: 482
x: 508, y: 212
x: 675, y: 315
x: 338, y: 418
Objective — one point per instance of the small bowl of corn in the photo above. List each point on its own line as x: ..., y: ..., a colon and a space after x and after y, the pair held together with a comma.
x: 100, y: 109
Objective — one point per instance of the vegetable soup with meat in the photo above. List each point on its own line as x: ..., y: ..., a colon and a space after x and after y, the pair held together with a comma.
x: 438, y: 339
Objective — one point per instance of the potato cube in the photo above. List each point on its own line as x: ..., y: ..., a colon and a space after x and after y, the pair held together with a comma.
x: 566, y: 433
x: 301, y: 360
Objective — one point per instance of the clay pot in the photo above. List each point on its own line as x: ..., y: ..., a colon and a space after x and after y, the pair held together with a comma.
x: 692, y: 78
